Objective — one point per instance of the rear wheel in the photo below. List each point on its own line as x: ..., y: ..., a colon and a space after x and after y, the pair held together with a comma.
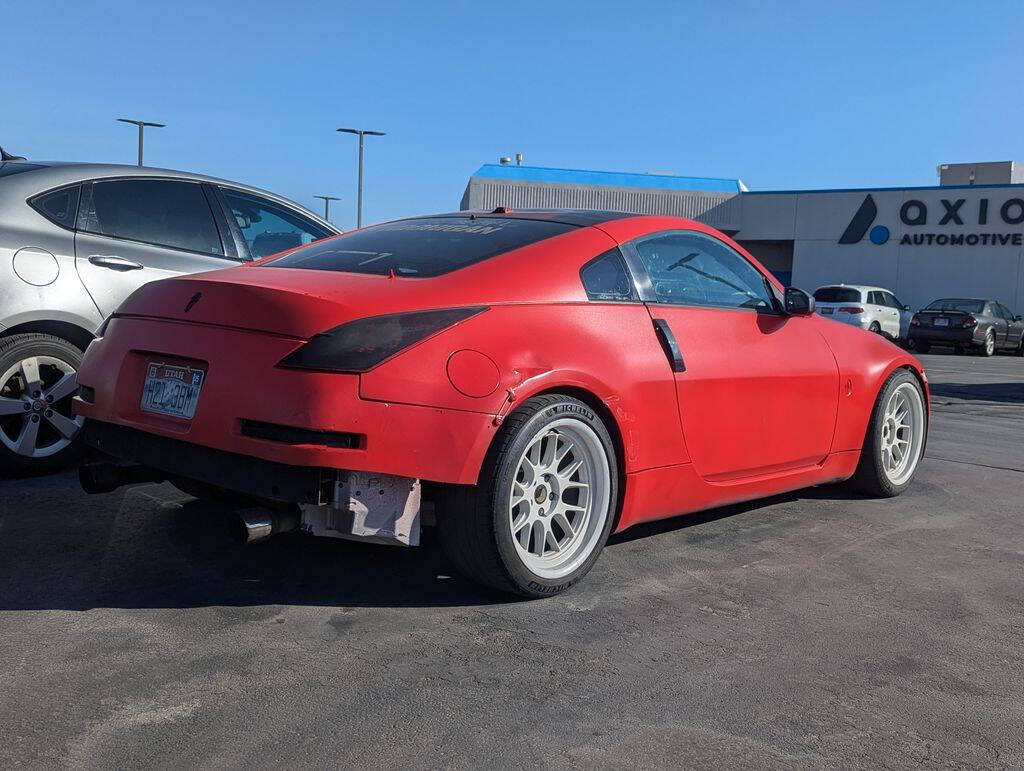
x: 895, y: 438
x: 37, y: 381
x: 537, y: 520
x: 988, y: 348
x: 875, y: 327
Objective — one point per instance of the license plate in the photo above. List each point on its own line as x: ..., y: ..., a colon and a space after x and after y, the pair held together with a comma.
x: 827, y: 311
x: 172, y: 390
x: 942, y: 322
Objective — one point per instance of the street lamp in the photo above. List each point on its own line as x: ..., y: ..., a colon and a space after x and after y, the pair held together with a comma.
x: 361, y: 133
x: 327, y: 204
x: 141, y: 124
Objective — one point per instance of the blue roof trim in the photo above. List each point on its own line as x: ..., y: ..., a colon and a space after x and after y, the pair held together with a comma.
x: 1014, y: 186
x: 606, y: 178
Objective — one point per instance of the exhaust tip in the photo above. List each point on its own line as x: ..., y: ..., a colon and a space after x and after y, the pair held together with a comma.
x: 258, y: 524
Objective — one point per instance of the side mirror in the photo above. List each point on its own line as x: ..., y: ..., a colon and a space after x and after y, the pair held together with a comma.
x: 906, y: 307
x: 798, y: 302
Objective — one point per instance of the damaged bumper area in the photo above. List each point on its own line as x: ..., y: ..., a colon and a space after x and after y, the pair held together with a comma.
x: 335, y: 503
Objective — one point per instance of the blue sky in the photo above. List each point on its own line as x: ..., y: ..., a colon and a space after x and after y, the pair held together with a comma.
x: 781, y: 94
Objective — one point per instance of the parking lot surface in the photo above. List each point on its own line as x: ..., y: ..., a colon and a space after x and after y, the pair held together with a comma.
x: 812, y: 629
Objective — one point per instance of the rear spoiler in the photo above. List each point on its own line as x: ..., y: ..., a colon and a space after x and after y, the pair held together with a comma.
x: 6, y: 156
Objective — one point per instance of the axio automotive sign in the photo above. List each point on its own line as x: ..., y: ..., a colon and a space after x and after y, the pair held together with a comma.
x: 958, y: 219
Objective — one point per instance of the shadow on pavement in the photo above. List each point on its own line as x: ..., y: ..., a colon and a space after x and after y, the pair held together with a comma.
x: 143, y: 552
x: 987, y: 392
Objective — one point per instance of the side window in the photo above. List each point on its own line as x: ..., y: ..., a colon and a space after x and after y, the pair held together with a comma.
x: 1002, y: 311
x: 605, y: 278
x: 895, y: 302
x: 268, y: 227
x: 692, y: 269
x: 875, y: 298
x: 154, y: 211
x: 59, y: 206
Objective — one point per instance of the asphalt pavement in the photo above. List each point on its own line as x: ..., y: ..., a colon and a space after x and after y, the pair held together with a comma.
x: 818, y: 629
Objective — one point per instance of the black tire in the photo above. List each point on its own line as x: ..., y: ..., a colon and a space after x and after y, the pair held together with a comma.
x: 988, y: 348
x: 18, y: 348
x: 922, y: 346
x: 471, y: 520
x: 875, y: 328
x: 870, y: 477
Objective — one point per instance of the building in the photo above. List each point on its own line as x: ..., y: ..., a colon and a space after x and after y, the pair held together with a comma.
x: 920, y: 242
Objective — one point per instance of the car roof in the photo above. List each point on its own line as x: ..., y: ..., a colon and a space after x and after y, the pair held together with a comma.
x: 44, y: 175
x: 578, y: 217
x: 860, y: 287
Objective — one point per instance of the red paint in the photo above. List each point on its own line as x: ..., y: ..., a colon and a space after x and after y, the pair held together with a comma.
x: 766, y: 403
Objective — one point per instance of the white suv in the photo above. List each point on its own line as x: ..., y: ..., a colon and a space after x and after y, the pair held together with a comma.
x: 868, y: 307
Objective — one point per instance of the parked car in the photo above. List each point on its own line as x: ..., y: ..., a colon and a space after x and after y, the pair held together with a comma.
x: 868, y: 307
x: 985, y: 326
x: 540, y: 378
x: 75, y: 240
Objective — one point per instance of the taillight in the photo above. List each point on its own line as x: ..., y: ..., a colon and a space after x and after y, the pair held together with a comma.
x: 915, y: 321
x: 970, y: 322
x: 853, y: 310
x: 357, y: 346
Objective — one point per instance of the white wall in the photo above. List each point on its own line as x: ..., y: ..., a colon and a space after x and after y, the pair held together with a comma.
x: 917, y: 274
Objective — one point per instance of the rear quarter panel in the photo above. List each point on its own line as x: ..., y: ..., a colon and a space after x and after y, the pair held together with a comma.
x: 607, y: 349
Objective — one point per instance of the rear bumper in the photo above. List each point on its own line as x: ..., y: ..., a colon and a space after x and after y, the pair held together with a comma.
x: 299, y: 416
x: 240, y: 473
x: 949, y: 336
x: 861, y: 320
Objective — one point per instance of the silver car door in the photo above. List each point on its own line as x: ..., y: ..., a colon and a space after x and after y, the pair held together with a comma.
x: 136, y: 230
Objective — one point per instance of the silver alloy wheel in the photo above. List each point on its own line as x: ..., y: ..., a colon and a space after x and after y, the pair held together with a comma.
x: 990, y: 343
x: 35, y: 407
x: 902, y: 433
x: 559, y: 501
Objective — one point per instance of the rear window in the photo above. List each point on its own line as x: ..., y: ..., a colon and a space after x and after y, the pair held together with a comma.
x: 421, y: 248
x: 837, y: 294
x: 9, y: 168
x: 967, y: 306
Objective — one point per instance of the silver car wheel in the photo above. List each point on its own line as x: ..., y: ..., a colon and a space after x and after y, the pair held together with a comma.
x: 560, y: 496
x: 35, y: 407
x: 902, y: 433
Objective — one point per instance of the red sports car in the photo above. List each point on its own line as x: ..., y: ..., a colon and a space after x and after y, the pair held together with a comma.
x: 530, y: 381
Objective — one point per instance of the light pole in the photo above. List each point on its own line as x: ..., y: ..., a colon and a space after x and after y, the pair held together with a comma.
x: 141, y: 124
x: 361, y: 133
x: 327, y: 204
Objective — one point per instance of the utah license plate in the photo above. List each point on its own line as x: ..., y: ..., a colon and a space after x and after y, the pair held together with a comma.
x: 172, y: 390
x: 942, y: 322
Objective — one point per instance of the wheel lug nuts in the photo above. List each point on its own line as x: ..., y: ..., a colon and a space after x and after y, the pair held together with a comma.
x: 27, y: 406
x: 49, y: 398
x: 35, y: 394
x: 48, y: 413
x: 35, y: 418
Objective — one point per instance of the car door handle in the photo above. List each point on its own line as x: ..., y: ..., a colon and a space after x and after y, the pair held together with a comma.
x: 669, y: 345
x: 114, y: 262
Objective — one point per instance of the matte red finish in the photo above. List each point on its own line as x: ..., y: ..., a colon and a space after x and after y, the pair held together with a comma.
x: 767, y: 403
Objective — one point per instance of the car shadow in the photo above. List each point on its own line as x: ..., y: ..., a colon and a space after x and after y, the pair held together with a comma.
x: 178, y: 554
x: 988, y: 392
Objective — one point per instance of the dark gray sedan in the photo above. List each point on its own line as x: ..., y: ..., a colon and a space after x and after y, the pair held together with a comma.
x: 75, y: 240
x: 985, y: 326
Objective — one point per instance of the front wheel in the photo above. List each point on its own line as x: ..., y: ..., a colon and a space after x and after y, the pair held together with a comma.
x: 545, y: 503
x: 38, y: 431
x: 895, y: 438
